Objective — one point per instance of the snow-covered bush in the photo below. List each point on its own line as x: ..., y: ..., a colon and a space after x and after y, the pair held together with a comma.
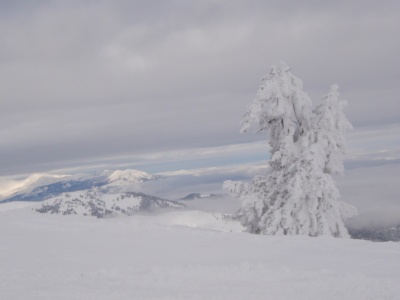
x: 297, y: 195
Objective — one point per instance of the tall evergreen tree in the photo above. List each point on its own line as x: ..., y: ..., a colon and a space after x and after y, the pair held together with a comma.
x: 297, y: 195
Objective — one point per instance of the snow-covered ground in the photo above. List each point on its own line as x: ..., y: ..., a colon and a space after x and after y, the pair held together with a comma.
x: 183, y: 255
x: 15, y: 205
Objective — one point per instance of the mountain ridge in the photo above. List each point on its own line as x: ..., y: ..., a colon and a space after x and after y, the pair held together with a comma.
x: 39, y: 187
x: 94, y: 202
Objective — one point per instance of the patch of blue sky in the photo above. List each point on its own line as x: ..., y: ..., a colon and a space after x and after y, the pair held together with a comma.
x: 206, y: 162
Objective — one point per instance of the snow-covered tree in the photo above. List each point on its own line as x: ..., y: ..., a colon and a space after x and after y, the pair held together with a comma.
x: 282, y: 109
x: 331, y: 124
x: 297, y: 195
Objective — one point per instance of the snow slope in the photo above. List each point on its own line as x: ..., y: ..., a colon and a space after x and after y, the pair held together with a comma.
x: 15, y: 205
x: 157, y: 257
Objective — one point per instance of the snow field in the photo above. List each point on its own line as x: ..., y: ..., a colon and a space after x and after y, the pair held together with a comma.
x: 160, y: 257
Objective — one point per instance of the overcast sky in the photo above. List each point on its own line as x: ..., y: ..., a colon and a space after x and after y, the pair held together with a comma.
x: 162, y: 85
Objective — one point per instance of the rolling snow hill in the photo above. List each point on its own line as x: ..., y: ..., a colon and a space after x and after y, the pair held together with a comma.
x: 183, y: 255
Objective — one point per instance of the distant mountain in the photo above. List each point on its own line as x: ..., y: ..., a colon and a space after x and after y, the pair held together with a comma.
x: 94, y: 202
x: 128, y: 176
x: 122, y: 181
x: 383, y: 234
x: 39, y: 188
x: 31, y: 182
x: 199, y: 196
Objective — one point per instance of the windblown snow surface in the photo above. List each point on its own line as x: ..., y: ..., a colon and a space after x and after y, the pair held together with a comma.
x: 182, y: 255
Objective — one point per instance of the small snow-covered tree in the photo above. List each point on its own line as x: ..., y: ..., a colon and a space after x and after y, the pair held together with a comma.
x: 297, y: 195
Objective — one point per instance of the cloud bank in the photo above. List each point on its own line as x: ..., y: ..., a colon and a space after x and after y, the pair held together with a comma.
x: 92, y: 81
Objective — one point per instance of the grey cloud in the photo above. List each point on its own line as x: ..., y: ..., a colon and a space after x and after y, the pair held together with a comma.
x: 89, y: 79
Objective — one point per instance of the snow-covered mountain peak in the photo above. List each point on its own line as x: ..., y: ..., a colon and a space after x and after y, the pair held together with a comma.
x: 129, y: 176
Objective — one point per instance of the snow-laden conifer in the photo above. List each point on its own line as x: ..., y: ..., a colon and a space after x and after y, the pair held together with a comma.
x: 331, y: 124
x: 297, y: 195
x: 282, y: 109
